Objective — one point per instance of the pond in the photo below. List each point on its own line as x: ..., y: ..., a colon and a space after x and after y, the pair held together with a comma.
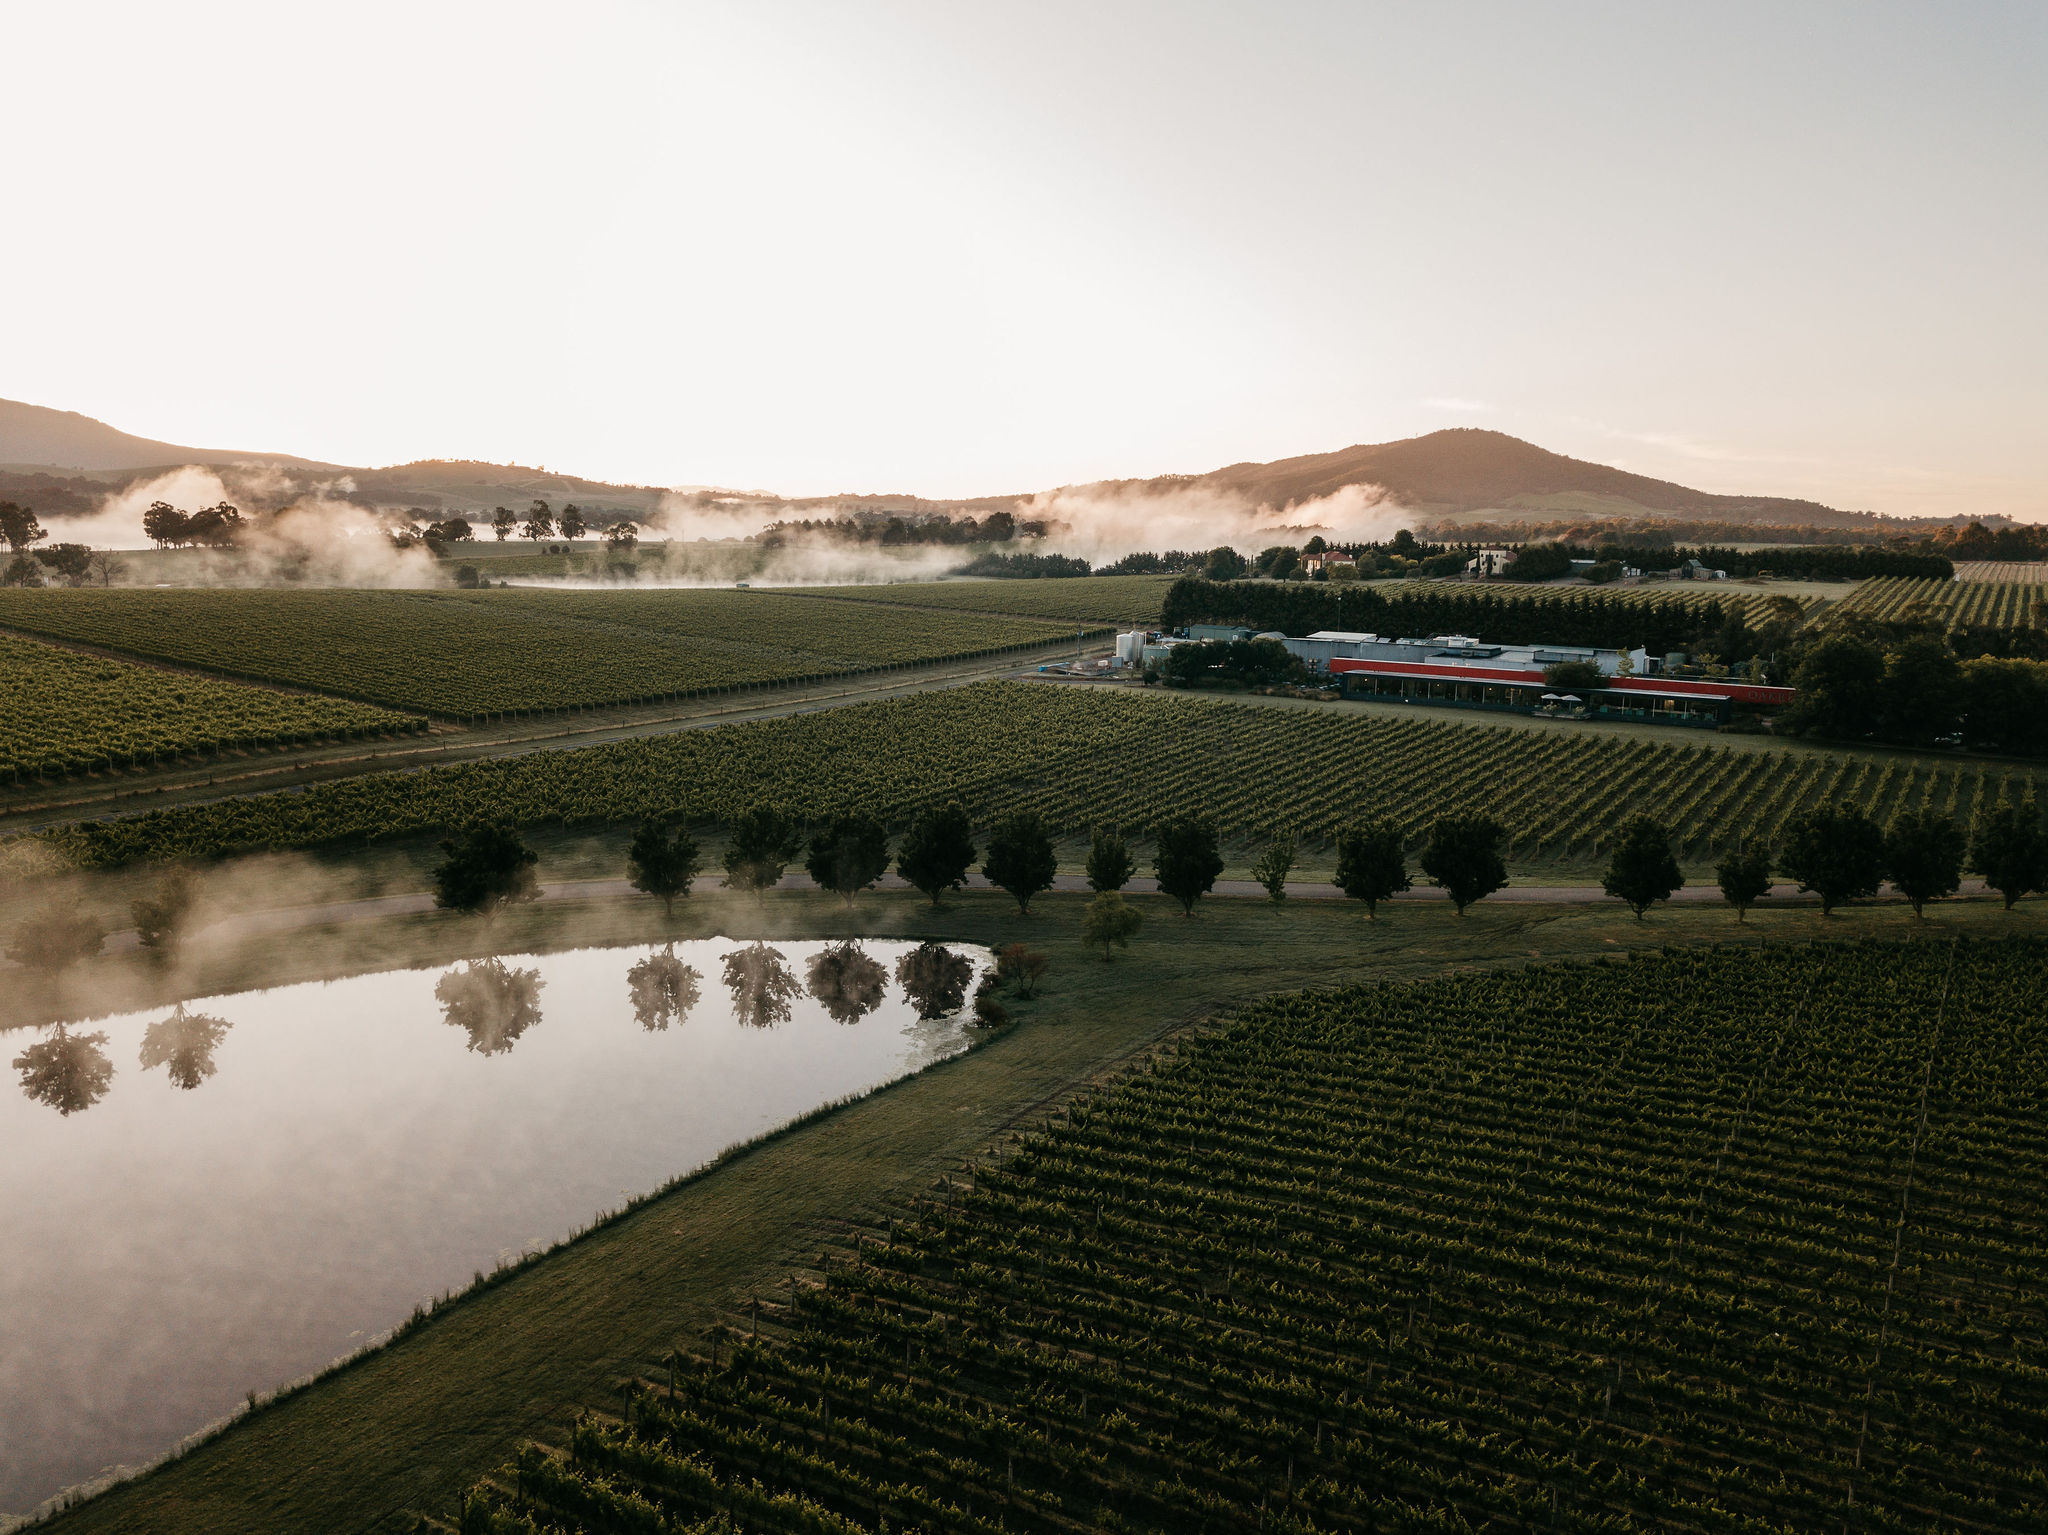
x: 218, y: 1198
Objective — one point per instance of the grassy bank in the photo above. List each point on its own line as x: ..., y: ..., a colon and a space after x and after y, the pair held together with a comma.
x: 406, y: 1428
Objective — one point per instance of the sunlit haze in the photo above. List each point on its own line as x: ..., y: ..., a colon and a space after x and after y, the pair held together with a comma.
x: 963, y: 250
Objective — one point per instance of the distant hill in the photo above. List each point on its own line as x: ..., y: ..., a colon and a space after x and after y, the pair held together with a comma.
x: 1471, y: 471
x: 36, y: 437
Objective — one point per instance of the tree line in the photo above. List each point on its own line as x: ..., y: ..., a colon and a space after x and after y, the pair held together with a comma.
x: 1913, y: 688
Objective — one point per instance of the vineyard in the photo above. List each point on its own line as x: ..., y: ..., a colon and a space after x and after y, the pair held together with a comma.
x: 2028, y: 572
x: 1756, y: 606
x: 1965, y: 604
x: 1078, y: 599
x: 62, y: 711
x: 472, y: 654
x: 1719, y: 1241
x: 1086, y: 758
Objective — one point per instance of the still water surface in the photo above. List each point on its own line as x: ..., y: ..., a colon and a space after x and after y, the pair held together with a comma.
x: 203, y: 1201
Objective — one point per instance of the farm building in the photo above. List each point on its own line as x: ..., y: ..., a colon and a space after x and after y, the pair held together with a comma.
x: 1461, y: 673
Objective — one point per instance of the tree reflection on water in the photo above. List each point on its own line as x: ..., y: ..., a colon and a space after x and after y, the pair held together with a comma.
x: 847, y: 981
x: 183, y: 1042
x: 762, y: 985
x: 935, y: 979
x: 490, y: 1003
x: 67, y: 1071
x: 664, y: 989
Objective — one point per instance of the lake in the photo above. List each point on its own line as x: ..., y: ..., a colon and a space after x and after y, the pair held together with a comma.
x: 218, y: 1198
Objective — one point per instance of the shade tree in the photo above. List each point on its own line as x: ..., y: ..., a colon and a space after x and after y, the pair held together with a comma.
x: 1372, y: 863
x: 848, y: 855
x: 1923, y: 856
x: 662, y: 860
x: 937, y: 850
x: 1834, y: 852
x: 1463, y: 857
x: 1020, y: 858
x: 1186, y: 859
x: 485, y: 869
x: 1642, y: 869
x: 2010, y: 850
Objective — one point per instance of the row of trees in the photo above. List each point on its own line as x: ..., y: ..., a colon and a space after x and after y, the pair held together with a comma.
x: 541, y: 521
x: 214, y: 527
x: 1916, y: 691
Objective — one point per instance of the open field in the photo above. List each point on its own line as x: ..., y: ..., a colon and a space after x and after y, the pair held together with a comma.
x: 2023, y: 572
x: 1961, y: 604
x: 484, y: 653
x: 1118, y: 758
x: 408, y: 1427
x: 62, y: 711
x: 1706, y: 1241
x: 1076, y: 599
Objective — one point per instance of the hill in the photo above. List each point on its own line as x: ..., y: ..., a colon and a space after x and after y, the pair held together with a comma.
x: 36, y: 437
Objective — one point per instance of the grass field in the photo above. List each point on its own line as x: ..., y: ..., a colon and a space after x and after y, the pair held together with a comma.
x: 409, y: 1427
x: 1709, y: 1241
x: 1077, y: 599
x: 1089, y: 758
x: 466, y: 654
x: 1965, y: 604
x: 62, y: 711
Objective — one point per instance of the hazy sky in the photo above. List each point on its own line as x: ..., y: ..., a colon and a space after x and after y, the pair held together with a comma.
x: 958, y: 248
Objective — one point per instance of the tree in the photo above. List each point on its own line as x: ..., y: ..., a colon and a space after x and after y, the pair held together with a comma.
x: 1273, y: 865
x: 1642, y: 869
x: 183, y: 1044
x: 1463, y: 857
x: 540, y: 523
x: 1020, y: 858
x: 2011, y: 851
x: 484, y: 869
x: 1020, y: 968
x: 934, y: 979
x: 1745, y: 878
x: 57, y: 937
x: 1110, y: 865
x: 67, y: 1071
x: 160, y: 918
x: 937, y: 851
x: 662, y: 861
x: 1571, y: 676
x: 503, y: 521
x: 573, y: 525
x: 1922, y: 692
x: 762, y: 986
x: 104, y: 565
x: 1110, y: 921
x: 849, y: 855
x: 663, y: 990
x: 1372, y: 863
x: 1841, y: 688
x: 490, y: 1002
x: 1186, y: 859
x: 1923, y: 853
x: 165, y: 525
x: 71, y: 561
x: 622, y: 538
x: 761, y: 844
x: 19, y: 526
x: 847, y: 980
x: 1223, y: 563
x: 1835, y: 851
x: 22, y: 570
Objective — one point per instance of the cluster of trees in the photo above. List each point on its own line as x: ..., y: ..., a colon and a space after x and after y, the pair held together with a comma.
x: 998, y: 527
x: 435, y: 537
x: 1918, y: 692
x: 1149, y: 562
x: 2022, y: 543
x: 213, y: 527
x: 74, y: 564
x: 540, y: 521
x: 1253, y: 663
x: 1023, y: 566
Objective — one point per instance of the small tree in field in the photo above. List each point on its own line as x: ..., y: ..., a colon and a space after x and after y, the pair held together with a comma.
x: 849, y: 855
x: 1020, y: 858
x: 937, y: 851
x: 540, y: 523
x: 1186, y: 859
x: 1110, y: 921
x: 1745, y: 878
x: 1836, y: 852
x: 57, y: 937
x: 504, y: 521
x: 160, y: 916
x: 1020, y: 968
x: 1642, y: 869
x: 1372, y: 863
x: 1110, y: 865
x: 1923, y: 853
x: 484, y: 869
x: 1274, y: 865
x: 662, y: 861
x: 1463, y: 857
x: 573, y: 525
x: 2011, y: 851
x: 759, y: 848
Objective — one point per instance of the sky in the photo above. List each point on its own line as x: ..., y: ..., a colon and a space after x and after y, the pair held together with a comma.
x: 964, y: 249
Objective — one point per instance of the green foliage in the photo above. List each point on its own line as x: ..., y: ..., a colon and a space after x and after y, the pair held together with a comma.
x: 2010, y: 850
x: 1835, y: 851
x: 1643, y: 869
x: 160, y: 917
x: 55, y: 937
x: 1110, y: 921
x: 1252, y: 663
x: 1571, y: 676
x: 662, y: 860
x: 1463, y: 857
x: 1186, y: 859
x: 485, y: 868
x: 848, y: 855
x: 1923, y: 856
x: 1020, y: 968
x: 1841, y: 689
x: 937, y: 851
x: 1020, y: 857
x: 1542, y: 562
x: 1744, y: 874
x: 1110, y: 864
x: 1372, y: 863
x: 1272, y: 868
x: 759, y: 845
x: 1340, y: 1264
